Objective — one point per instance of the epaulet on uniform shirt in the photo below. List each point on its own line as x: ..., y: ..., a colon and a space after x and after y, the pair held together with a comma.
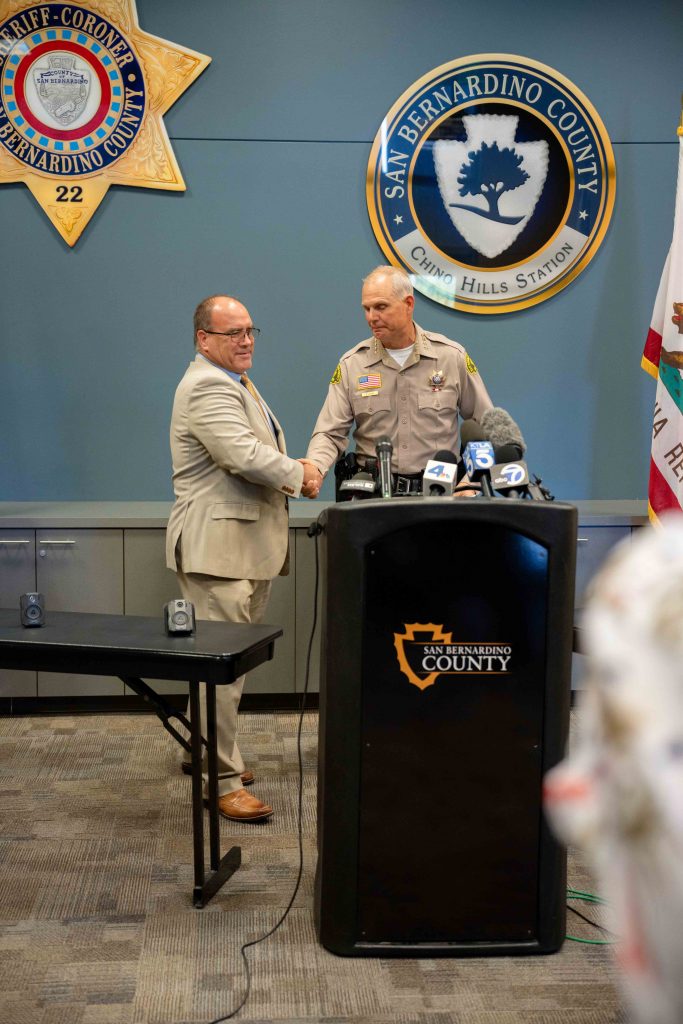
x: 366, y: 343
x: 336, y: 376
x: 441, y: 339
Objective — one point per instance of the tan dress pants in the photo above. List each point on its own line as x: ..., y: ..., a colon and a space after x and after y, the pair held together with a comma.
x: 225, y: 600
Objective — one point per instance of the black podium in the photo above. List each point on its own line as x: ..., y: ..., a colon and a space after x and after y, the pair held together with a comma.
x: 445, y: 689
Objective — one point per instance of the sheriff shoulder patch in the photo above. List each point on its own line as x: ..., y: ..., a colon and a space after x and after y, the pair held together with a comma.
x: 471, y: 368
x: 336, y: 376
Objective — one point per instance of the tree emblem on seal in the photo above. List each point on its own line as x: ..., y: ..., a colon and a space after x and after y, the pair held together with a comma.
x: 490, y: 172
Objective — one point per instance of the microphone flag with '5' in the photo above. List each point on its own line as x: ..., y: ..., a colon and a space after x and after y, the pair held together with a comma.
x: 439, y: 475
x: 479, y: 459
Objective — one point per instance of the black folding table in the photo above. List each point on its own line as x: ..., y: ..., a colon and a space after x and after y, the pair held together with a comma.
x: 130, y: 647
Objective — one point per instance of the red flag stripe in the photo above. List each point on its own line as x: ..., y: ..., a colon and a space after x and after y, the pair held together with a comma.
x: 662, y: 498
x: 653, y: 347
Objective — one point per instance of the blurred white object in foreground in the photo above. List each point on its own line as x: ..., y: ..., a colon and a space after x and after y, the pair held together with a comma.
x: 620, y: 794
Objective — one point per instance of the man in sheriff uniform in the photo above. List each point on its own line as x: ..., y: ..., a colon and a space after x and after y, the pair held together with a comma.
x: 403, y: 383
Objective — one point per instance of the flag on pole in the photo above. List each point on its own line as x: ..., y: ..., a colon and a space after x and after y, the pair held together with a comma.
x: 663, y: 360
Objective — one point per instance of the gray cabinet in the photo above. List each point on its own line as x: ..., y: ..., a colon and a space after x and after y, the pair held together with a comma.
x: 17, y: 577
x: 110, y: 557
x: 79, y: 571
x: 148, y: 585
x: 593, y: 545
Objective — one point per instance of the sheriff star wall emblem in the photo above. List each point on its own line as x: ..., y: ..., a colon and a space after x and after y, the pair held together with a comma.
x: 83, y: 91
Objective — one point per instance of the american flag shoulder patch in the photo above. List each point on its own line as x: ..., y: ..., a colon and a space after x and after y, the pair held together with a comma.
x: 370, y: 380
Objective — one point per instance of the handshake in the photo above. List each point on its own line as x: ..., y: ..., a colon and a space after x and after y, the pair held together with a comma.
x: 313, y: 479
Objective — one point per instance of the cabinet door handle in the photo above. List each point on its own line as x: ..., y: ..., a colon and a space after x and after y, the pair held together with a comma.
x: 582, y: 540
x: 53, y: 544
x: 13, y: 543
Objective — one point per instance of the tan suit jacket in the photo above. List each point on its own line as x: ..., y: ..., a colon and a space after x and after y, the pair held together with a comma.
x: 231, y: 479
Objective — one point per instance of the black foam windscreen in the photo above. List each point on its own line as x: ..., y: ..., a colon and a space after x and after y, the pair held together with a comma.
x: 470, y: 430
x: 506, y: 453
x: 445, y: 456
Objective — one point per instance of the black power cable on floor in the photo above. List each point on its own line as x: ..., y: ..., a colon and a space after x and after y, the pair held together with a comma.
x: 313, y: 531
x: 589, y: 897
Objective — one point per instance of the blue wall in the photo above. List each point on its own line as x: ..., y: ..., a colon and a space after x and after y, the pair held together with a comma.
x: 273, y: 141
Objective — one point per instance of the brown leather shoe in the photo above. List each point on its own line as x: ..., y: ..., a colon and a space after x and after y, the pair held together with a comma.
x: 247, y: 777
x: 242, y: 806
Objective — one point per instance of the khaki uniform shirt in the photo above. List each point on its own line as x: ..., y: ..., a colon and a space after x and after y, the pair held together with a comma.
x: 416, y: 406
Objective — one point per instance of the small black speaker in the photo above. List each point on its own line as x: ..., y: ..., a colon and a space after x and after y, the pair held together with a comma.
x: 179, y: 617
x: 32, y: 609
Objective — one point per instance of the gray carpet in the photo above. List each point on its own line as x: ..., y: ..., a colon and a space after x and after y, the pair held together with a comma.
x: 96, y: 921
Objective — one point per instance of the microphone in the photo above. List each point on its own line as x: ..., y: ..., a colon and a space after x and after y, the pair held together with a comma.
x: 477, y: 453
x: 439, y: 475
x: 501, y: 430
x: 511, y: 478
x: 470, y: 430
x: 384, y: 450
x: 362, y: 485
x: 509, y: 445
x: 479, y: 459
x: 510, y: 475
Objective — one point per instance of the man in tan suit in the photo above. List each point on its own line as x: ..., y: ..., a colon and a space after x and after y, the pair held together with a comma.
x: 227, y: 533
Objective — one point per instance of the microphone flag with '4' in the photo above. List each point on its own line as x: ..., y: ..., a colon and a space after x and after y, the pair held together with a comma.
x: 439, y: 475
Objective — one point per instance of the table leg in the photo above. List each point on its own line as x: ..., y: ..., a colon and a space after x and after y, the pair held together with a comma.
x: 212, y: 757
x: 222, y: 869
x: 197, y: 812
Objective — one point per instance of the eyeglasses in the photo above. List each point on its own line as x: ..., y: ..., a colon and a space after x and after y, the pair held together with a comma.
x: 238, y: 334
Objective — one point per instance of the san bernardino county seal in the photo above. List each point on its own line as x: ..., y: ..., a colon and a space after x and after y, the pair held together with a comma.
x: 492, y: 182
x: 82, y: 93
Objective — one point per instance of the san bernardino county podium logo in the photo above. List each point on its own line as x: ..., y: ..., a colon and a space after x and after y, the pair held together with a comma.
x: 492, y: 182
x: 83, y: 91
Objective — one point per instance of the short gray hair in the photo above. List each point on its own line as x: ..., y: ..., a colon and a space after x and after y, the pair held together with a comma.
x: 401, y: 284
x: 203, y: 317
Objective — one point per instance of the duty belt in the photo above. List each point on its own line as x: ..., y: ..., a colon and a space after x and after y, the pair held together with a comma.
x: 407, y: 483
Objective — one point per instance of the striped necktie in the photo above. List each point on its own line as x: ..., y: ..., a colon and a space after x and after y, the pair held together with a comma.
x: 254, y: 394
